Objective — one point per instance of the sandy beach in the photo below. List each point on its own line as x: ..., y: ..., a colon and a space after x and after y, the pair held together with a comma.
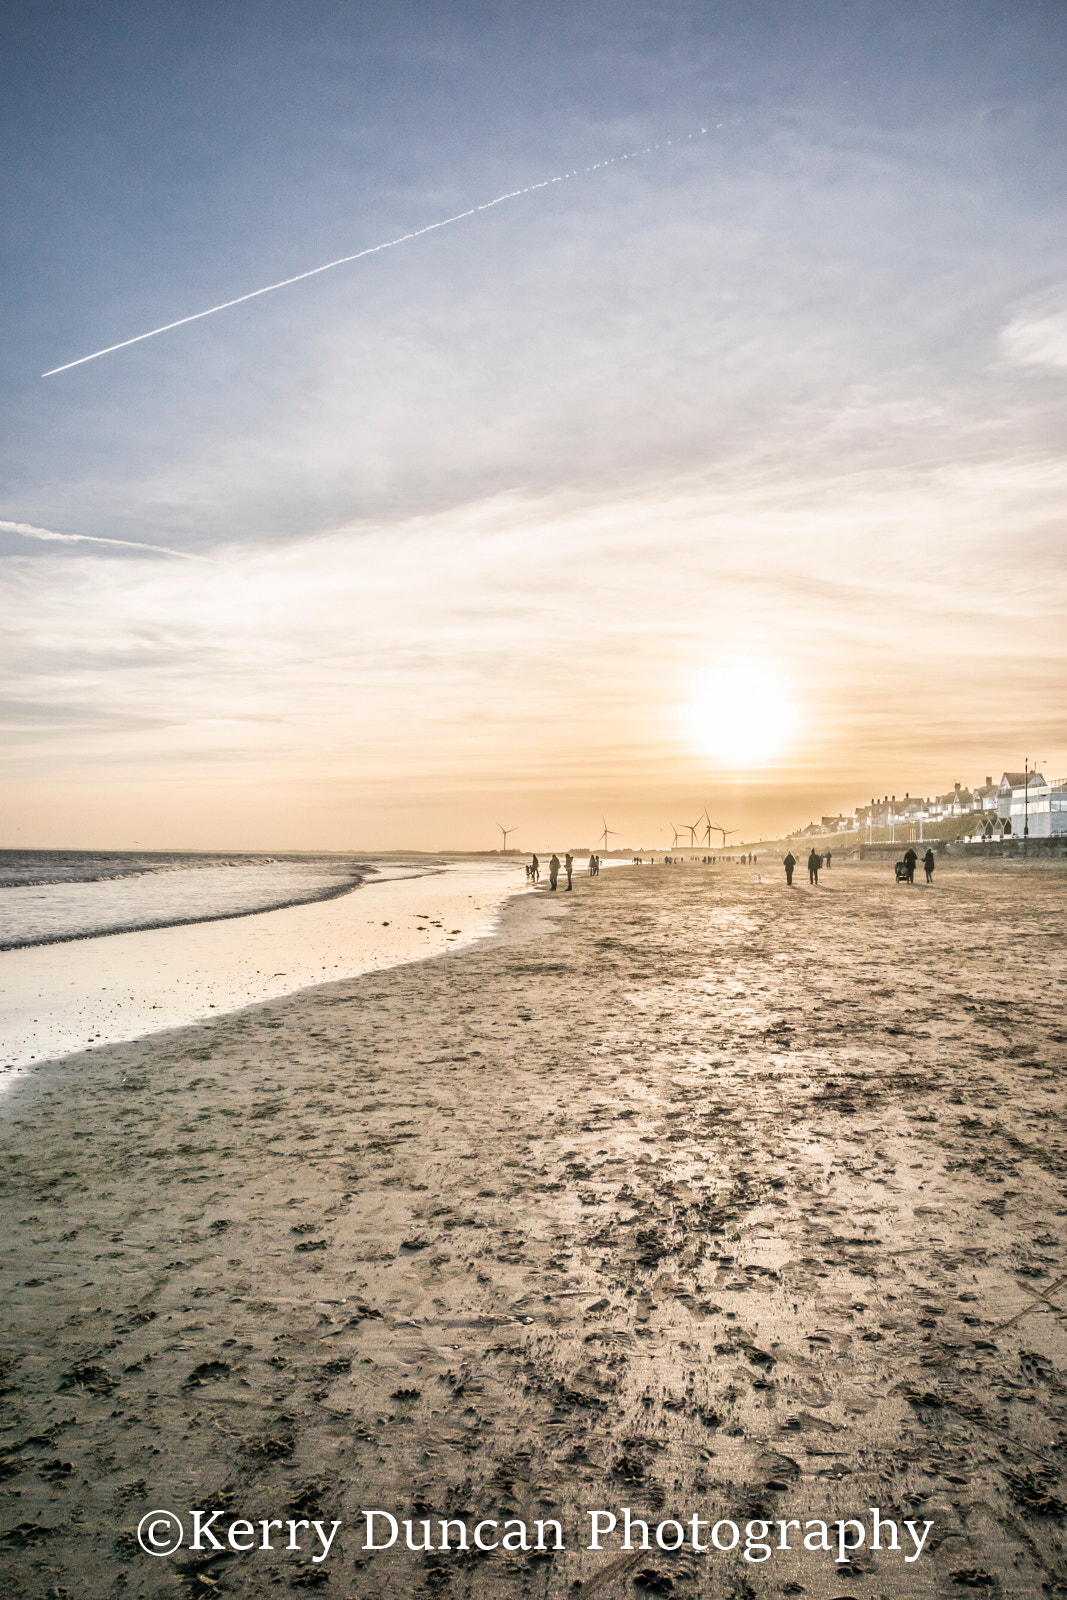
x: 685, y: 1193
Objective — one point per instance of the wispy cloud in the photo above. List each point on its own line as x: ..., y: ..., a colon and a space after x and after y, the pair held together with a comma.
x: 1038, y: 340
x: 26, y: 530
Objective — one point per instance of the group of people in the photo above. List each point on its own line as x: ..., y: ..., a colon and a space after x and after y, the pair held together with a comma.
x: 705, y: 861
x: 815, y: 861
x: 910, y: 862
x: 905, y: 869
x: 555, y: 867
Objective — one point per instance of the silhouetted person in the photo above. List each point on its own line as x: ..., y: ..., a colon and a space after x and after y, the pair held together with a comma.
x: 553, y: 871
x: 789, y: 863
x: 928, y: 863
x: 570, y: 869
x: 829, y: 855
x: 814, y: 863
x: 535, y: 870
x: 910, y: 862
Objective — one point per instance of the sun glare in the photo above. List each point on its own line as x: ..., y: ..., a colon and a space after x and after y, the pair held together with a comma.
x: 742, y: 715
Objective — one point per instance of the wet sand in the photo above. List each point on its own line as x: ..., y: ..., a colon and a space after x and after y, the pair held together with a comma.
x: 704, y: 1198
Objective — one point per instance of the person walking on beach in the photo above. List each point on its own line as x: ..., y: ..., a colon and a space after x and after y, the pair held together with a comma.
x: 789, y: 863
x: 928, y: 863
x: 535, y: 870
x: 814, y: 863
x: 569, y: 862
x: 910, y: 863
x: 829, y: 855
x: 553, y: 871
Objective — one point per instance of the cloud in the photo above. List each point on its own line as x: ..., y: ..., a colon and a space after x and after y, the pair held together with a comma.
x: 527, y: 645
x: 28, y: 531
x: 789, y: 284
x: 1036, y: 340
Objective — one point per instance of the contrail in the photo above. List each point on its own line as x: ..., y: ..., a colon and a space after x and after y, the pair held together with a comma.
x: 417, y: 233
x: 28, y: 531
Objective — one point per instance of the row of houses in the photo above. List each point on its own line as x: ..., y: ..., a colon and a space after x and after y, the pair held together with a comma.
x: 1022, y: 804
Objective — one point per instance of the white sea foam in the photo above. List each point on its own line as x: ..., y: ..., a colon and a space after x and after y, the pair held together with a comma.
x: 39, y: 913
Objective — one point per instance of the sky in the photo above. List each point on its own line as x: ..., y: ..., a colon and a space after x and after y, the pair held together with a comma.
x: 724, y: 472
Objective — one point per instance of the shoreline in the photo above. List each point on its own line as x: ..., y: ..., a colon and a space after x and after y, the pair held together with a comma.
x: 61, y: 997
x: 178, y: 922
x: 701, y: 1194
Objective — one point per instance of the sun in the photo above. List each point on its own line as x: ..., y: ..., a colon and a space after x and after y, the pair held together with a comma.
x: 742, y: 715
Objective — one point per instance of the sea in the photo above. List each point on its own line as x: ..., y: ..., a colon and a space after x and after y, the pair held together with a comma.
x: 96, y: 948
x: 51, y: 895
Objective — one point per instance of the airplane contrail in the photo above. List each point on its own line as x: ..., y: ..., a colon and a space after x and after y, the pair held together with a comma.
x: 389, y: 244
x: 28, y: 531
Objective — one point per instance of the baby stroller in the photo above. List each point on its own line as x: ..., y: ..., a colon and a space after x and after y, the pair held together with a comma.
x: 901, y: 871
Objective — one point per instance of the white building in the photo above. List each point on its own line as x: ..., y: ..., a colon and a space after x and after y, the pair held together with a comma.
x: 1007, y: 787
x: 1039, y: 810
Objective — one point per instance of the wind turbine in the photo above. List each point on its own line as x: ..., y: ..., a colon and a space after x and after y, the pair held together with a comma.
x: 726, y: 832
x: 505, y: 832
x: 692, y: 827
x: 707, y: 828
x: 677, y: 836
x: 612, y: 832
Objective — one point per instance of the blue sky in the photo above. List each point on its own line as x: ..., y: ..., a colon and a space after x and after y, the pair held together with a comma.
x: 788, y: 392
